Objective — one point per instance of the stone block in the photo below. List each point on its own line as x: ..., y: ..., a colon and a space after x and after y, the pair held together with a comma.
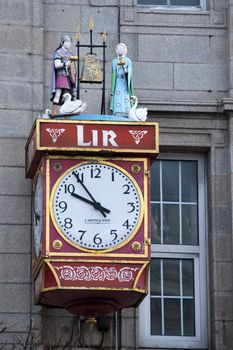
x: 37, y: 40
x: 15, y: 268
x: 16, y: 322
x: 222, y: 217
x: 12, y: 151
x: 220, y: 162
x: 13, y: 182
x: 184, y: 140
x: 15, y: 67
x: 37, y: 96
x: 104, y: 2
x: 15, y: 239
x: 37, y: 68
x: 127, y: 338
x: 200, y: 77
x: 218, y: 49
x: 131, y: 42
x: 16, y: 298
x: 16, y: 95
x: 223, y: 306
x: 175, y: 48
x: 18, y: 38
x: 105, y: 19
x: 222, y: 193
x: 15, y: 210
x: 129, y: 312
x: 14, y: 123
x: 37, y: 13
x: 61, y: 17
x: 222, y: 335
x: 16, y: 12
x: 153, y: 75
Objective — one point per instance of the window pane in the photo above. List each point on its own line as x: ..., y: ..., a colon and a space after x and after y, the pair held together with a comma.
x: 185, y: 2
x: 189, y: 181
x: 189, y: 224
x: 187, y: 278
x: 155, y: 277
x: 170, y: 181
x: 152, y: 2
x: 171, y: 277
x: 171, y: 227
x: 189, y: 317
x: 156, y: 316
x: 155, y: 224
x: 172, y: 316
x: 155, y: 181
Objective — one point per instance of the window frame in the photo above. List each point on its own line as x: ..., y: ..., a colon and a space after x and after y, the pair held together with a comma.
x: 202, y: 6
x: 199, y: 254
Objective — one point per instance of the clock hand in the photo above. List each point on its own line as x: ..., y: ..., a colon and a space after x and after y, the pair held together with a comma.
x: 37, y: 217
x: 96, y: 205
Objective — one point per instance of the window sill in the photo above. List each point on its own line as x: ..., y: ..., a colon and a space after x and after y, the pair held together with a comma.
x: 176, y: 10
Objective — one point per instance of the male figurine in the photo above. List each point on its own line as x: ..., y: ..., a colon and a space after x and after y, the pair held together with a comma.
x: 63, y: 73
x: 121, y: 84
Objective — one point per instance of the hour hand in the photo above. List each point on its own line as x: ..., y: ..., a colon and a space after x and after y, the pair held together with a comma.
x: 96, y: 205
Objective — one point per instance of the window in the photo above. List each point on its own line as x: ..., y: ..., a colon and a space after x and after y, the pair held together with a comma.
x: 174, y: 314
x: 172, y: 3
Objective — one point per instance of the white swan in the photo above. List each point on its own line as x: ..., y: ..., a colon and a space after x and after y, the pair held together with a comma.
x: 72, y: 107
x: 139, y: 114
x: 46, y: 115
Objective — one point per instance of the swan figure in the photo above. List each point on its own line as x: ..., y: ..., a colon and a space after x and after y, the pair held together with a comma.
x: 138, y: 114
x: 46, y: 115
x: 72, y: 107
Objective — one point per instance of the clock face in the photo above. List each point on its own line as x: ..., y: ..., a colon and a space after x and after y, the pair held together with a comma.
x: 37, y: 215
x: 96, y: 206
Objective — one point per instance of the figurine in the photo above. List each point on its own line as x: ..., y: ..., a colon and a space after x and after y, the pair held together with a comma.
x: 63, y: 73
x: 138, y: 114
x: 72, y: 107
x: 121, y: 85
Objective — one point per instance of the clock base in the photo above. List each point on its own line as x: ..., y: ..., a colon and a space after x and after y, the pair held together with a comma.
x: 92, y: 307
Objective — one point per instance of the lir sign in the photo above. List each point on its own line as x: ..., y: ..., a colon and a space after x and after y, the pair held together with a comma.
x: 90, y: 136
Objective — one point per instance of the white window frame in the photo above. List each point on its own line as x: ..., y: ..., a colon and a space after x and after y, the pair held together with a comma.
x: 200, y: 256
x: 202, y: 6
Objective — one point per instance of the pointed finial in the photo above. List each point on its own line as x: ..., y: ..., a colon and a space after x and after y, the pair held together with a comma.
x: 78, y: 35
x: 104, y: 37
x: 90, y: 23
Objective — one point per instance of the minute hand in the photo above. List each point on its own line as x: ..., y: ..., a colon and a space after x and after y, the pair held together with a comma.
x: 89, y: 202
x: 97, y: 205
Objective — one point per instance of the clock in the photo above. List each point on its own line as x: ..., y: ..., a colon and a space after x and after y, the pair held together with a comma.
x: 96, y: 205
x: 37, y: 215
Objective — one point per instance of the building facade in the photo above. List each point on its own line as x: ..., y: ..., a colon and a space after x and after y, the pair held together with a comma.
x: 183, y: 73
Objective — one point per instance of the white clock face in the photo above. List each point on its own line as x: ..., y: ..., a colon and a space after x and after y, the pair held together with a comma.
x: 37, y: 215
x: 96, y: 205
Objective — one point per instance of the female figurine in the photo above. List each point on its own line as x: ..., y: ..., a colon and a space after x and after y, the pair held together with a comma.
x: 63, y: 73
x: 121, y: 85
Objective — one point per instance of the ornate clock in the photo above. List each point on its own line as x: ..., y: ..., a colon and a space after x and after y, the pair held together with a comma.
x: 97, y: 205
x: 90, y: 212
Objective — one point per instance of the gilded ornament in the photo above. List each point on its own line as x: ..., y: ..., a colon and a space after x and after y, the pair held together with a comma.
x: 135, y: 168
x: 136, y: 246
x: 57, y: 244
x: 57, y: 166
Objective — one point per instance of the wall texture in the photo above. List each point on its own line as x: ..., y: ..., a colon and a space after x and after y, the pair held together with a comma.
x: 182, y: 74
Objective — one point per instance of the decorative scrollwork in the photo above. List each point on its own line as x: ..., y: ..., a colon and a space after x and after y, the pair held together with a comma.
x: 95, y: 273
x: 55, y: 133
x: 138, y: 135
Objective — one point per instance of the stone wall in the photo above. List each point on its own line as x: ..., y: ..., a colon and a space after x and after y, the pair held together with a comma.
x: 182, y: 72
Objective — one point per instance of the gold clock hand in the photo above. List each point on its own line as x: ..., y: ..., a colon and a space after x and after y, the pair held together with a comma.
x: 96, y: 205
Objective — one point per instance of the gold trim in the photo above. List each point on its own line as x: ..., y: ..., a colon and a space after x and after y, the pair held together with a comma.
x: 94, y: 122
x: 54, y: 272
x: 59, y: 286
x: 47, y: 235
x: 142, y: 211
x: 93, y: 253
